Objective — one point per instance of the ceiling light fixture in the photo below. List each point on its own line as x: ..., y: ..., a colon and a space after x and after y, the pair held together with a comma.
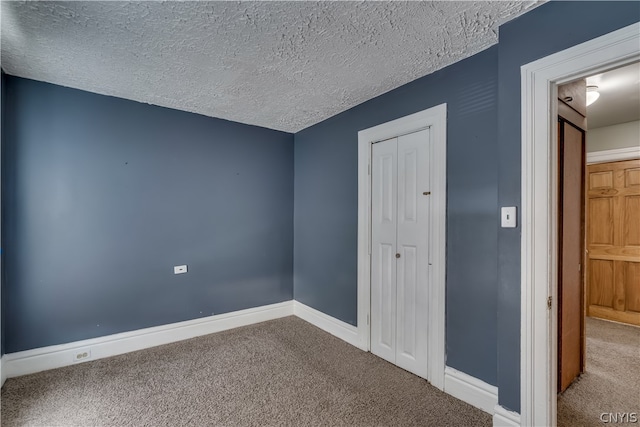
x: 592, y: 94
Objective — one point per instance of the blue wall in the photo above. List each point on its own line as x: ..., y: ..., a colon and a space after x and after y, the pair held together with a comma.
x: 103, y: 196
x: 483, y: 173
x: 326, y: 213
x: 547, y: 29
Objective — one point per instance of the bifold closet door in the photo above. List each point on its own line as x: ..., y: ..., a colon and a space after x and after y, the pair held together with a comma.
x: 571, y: 142
x: 384, y: 222
x: 400, y: 259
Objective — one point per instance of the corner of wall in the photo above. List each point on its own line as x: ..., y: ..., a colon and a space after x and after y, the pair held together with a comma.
x: 3, y: 375
x: 504, y: 418
x: 335, y: 327
x: 471, y: 390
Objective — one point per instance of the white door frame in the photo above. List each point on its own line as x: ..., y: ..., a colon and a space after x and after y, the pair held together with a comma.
x: 435, y: 119
x: 538, y: 352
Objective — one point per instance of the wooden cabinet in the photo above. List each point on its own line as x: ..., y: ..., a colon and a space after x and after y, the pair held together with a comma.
x: 575, y: 96
x: 572, y: 103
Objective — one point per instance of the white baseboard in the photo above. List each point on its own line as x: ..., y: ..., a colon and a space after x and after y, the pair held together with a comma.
x: 335, y: 327
x: 505, y: 418
x: 470, y: 389
x: 3, y: 372
x: 456, y: 383
x: 57, y: 356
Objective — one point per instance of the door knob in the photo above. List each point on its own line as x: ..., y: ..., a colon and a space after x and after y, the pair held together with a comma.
x: 397, y: 255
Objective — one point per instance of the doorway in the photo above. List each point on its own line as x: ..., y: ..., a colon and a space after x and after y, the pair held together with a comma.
x: 539, y: 209
x: 400, y: 211
x: 433, y: 123
x: 599, y: 247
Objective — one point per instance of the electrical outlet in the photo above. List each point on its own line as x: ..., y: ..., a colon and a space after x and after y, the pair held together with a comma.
x: 82, y: 355
x: 179, y: 269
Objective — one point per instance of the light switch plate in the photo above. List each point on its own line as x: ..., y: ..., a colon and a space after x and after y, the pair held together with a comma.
x: 179, y: 269
x: 508, y: 217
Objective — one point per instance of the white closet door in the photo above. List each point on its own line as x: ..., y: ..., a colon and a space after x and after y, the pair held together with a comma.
x: 399, y: 250
x: 384, y: 198
x: 412, y: 244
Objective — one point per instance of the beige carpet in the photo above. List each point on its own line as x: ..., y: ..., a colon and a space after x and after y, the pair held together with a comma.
x: 611, y: 382
x: 282, y: 372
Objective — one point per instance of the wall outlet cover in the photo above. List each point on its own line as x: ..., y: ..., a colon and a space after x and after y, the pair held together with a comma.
x: 82, y: 354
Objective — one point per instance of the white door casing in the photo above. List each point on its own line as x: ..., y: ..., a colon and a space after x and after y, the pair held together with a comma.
x: 433, y: 119
x: 539, y: 80
x: 400, y: 250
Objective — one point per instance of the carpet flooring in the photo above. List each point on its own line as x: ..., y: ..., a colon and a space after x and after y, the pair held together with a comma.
x: 611, y: 382
x: 282, y: 372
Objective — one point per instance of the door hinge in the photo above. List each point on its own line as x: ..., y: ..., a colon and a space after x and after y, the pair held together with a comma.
x: 579, y: 267
x: 549, y: 302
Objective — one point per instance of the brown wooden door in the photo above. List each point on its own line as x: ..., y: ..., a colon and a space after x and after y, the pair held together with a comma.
x: 571, y: 252
x: 613, y: 241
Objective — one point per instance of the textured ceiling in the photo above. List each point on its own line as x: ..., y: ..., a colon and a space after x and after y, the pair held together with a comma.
x: 281, y: 65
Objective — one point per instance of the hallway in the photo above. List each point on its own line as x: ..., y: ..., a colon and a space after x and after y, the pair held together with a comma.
x: 611, y: 383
